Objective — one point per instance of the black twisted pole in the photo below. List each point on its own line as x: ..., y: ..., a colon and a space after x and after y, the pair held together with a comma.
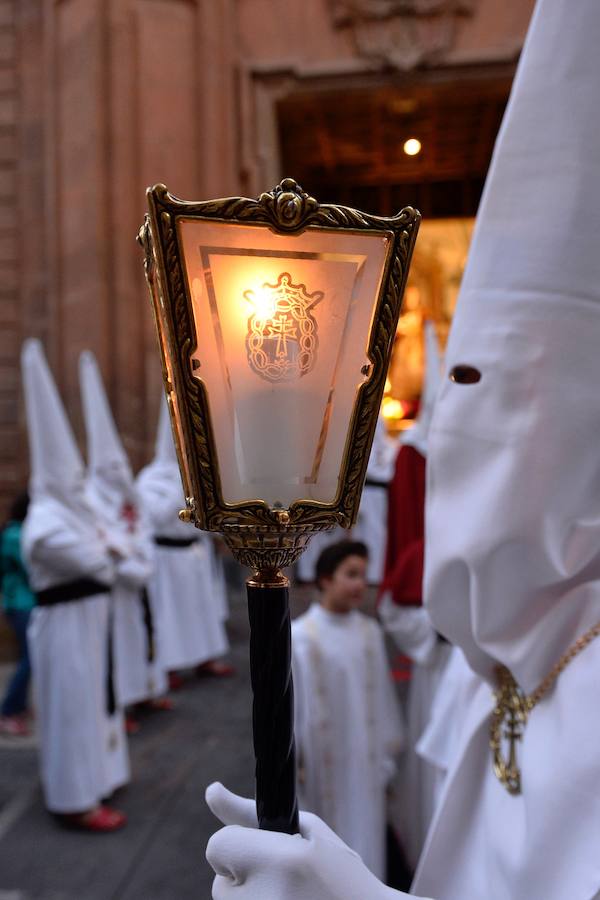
x: 273, y: 706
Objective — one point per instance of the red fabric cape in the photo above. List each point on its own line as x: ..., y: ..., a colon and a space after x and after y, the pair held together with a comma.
x: 406, y: 529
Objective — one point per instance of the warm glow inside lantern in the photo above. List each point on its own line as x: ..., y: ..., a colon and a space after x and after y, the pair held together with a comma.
x: 284, y: 352
x: 276, y: 319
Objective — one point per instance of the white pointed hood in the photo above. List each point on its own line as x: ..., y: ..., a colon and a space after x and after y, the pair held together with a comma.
x: 109, y: 471
x: 512, y: 557
x: 57, y: 469
x: 159, y: 483
x: 513, y: 503
x: 417, y: 435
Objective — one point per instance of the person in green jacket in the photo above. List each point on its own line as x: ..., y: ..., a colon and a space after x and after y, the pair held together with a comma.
x: 17, y: 600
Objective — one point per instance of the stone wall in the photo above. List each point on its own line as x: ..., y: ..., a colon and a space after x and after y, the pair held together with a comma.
x: 10, y: 257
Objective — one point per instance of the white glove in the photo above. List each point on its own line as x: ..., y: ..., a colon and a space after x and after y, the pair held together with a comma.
x: 411, y: 630
x: 263, y: 865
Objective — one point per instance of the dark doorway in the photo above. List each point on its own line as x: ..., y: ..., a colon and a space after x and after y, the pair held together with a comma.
x: 348, y: 146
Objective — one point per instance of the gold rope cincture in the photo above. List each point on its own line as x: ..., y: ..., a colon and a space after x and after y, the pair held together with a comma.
x: 512, y: 711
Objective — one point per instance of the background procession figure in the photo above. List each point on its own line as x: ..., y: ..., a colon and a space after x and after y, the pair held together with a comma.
x: 139, y: 674
x: 186, y: 590
x: 348, y: 726
x: 371, y: 524
x: 512, y: 561
x: 404, y: 617
x: 18, y: 601
x: 73, y: 565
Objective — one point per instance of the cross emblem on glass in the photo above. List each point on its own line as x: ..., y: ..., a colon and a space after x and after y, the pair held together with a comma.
x: 282, y: 337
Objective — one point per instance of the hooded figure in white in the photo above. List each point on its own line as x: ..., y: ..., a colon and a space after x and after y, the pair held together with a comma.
x: 139, y: 674
x: 371, y: 523
x: 513, y: 519
x: 71, y: 567
x: 411, y: 630
x: 188, y: 613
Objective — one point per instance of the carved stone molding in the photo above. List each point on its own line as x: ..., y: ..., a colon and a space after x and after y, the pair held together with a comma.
x: 401, y: 34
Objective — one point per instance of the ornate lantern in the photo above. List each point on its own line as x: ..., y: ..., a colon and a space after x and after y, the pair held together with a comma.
x: 276, y: 319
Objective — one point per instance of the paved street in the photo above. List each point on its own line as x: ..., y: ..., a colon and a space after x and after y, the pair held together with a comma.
x: 160, y: 855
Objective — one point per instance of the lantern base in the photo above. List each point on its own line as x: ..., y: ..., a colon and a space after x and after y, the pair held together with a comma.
x: 269, y: 547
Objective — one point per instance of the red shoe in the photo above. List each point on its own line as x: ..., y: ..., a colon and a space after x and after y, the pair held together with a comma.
x: 103, y: 819
x: 132, y: 726
x: 213, y: 668
x: 14, y: 726
x: 176, y: 682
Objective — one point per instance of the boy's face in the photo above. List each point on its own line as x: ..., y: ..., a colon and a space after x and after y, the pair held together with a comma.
x: 345, y: 589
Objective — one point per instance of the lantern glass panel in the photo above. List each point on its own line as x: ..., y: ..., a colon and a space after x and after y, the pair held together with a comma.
x: 282, y: 325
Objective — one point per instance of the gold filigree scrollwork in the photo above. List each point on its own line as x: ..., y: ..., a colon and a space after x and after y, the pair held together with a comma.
x: 144, y: 239
x: 282, y: 332
x: 288, y: 208
x: 269, y: 547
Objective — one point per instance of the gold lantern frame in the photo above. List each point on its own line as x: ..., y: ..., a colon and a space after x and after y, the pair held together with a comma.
x: 260, y: 536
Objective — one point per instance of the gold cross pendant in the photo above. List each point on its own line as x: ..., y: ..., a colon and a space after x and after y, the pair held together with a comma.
x: 508, y: 722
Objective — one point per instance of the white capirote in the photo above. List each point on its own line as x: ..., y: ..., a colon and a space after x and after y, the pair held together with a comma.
x: 513, y: 496
x: 83, y: 750
x: 184, y: 596
x: 139, y: 673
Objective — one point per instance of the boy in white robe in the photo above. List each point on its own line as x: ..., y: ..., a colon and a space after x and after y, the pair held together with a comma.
x: 182, y: 591
x: 139, y: 675
x: 72, y: 567
x: 348, y: 727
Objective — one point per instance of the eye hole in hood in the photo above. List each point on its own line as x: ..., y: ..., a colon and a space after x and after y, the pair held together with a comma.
x: 465, y: 374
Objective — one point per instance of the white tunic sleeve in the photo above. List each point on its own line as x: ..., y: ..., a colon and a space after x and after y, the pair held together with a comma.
x: 300, y: 706
x: 65, y: 555
x: 137, y: 567
x: 389, y: 715
x: 411, y: 630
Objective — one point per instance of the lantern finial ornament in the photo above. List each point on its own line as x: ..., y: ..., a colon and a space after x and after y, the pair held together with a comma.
x: 276, y: 319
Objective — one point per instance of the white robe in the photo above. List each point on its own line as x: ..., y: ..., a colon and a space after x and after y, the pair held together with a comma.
x: 371, y: 529
x: 512, y: 561
x: 418, y: 781
x: 188, y: 614
x: 440, y: 739
x: 348, y: 726
x: 137, y: 677
x: 83, y: 750
x: 219, y: 579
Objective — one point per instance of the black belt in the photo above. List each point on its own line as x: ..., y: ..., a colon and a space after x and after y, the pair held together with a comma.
x: 71, y: 591
x: 175, y: 542
x: 110, y: 692
x: 148, y: 625
x: 79, y: 590
x: 370, y: 482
